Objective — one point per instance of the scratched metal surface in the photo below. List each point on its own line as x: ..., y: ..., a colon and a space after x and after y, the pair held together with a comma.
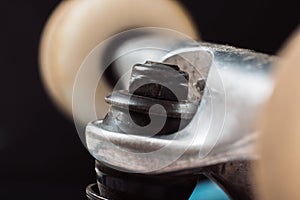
x: 238, y: 82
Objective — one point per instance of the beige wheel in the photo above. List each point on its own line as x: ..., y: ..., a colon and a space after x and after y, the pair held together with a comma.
x: 77, y: 26
x: 278, y: 171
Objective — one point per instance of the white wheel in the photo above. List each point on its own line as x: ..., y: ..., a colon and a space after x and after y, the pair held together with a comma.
x: 77, y: 26
x: 278, y: 172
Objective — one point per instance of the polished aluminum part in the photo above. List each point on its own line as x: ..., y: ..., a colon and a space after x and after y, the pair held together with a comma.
x: 219, y: 141
x: 238, y: 83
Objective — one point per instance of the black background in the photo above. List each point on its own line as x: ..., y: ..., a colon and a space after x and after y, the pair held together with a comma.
x: 41, y: 156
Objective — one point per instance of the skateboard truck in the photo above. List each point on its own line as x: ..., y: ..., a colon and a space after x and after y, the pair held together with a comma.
x: 192, y: 114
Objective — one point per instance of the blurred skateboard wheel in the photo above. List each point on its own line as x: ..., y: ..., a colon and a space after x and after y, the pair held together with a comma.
x: 278, y: 170
x: 77, y: 26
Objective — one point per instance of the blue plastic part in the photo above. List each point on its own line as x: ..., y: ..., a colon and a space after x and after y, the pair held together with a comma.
x: 208, y: 190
